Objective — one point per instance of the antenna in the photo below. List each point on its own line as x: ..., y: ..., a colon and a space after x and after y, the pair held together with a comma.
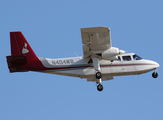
x: 126, y: 50
x: 76, y: 54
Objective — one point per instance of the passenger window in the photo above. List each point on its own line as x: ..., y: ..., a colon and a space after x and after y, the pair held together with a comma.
x: 126, y: 58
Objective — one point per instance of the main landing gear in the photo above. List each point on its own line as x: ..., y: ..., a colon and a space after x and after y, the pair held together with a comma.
x: 98, y: 81
x: 98, y: 75
x: 155, y: 74
x: 99, y: 87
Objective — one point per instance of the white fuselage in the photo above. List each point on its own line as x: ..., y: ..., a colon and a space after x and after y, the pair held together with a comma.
x: 83, y: 68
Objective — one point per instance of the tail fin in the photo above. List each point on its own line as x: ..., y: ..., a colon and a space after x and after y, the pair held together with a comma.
x: 21, y: 52
x: 20, y: 46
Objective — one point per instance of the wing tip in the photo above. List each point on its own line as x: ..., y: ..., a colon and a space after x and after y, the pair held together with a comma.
x: 94, y: 29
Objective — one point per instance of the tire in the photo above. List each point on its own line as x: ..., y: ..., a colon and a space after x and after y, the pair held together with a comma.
x: 99, y: 87
x: 98, y: 75
x: 154, y: 75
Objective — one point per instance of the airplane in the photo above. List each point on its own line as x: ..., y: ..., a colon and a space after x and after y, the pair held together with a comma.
x: 100, y: 62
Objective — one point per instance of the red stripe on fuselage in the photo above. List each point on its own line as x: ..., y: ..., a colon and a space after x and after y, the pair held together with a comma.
x: 87, y: 66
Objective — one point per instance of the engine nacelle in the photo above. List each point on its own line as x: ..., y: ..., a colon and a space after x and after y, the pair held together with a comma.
x: 112, y: 58
x: 111, y: 54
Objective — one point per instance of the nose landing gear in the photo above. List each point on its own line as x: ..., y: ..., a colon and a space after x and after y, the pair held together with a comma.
x: 155, y: 74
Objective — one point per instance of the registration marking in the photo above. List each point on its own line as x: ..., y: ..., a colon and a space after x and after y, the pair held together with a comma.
x: 63, y: 62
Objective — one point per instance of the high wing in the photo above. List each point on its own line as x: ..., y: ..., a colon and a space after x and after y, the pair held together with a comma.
x: 95, y: 39
x: 97, y: 46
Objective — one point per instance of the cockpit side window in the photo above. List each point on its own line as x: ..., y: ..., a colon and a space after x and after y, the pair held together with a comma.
x: 135, y: 57
x: 126, y: 58
x: 119, y: 59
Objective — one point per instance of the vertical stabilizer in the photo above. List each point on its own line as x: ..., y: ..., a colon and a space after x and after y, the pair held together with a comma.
x: 20, y: 46
x: 22, y: 56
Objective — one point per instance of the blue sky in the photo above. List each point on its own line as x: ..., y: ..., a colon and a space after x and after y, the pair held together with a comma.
x: 53, y: 30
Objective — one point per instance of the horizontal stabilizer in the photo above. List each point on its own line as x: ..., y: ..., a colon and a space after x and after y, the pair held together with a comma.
x: 13, y: 61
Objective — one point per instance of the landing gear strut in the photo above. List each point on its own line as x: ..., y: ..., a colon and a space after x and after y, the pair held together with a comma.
x: 98, y: 81
x: 155, y: 74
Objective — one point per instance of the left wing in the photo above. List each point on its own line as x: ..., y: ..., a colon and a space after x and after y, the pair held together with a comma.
x: 95, y: 39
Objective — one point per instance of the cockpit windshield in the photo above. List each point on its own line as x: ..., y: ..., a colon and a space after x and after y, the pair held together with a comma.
x: 136, y: 57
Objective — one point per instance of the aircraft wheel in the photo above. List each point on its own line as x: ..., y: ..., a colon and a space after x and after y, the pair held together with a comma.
x: 98, y: 75
x: 99, y: 87
x: 154, y: 74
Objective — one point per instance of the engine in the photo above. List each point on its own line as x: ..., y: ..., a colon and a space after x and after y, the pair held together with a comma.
x: 111, y: 54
